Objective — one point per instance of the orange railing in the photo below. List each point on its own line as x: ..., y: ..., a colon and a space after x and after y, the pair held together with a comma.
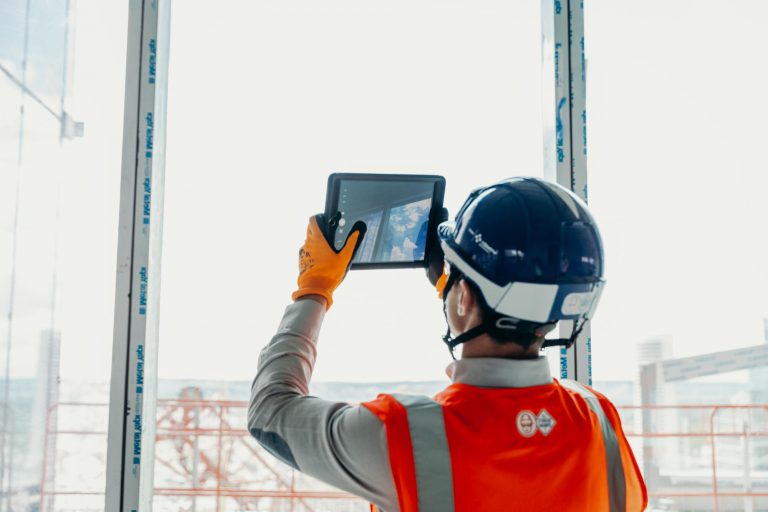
x: 728, y: 435
x: 203, y: 455
x: 694, y: 456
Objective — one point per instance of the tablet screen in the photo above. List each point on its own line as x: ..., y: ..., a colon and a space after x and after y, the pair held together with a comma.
x: 396, y: 214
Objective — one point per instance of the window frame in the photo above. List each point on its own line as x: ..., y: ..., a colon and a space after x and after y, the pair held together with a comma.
x: 133, y: 388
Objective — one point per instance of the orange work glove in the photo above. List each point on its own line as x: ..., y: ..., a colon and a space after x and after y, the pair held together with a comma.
x: 321, y: 267
x: 436, y: 263
x: 440, y: 284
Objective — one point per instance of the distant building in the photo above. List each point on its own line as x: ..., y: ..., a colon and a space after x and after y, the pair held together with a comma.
x: 650, y: 355
x: 655, y: 350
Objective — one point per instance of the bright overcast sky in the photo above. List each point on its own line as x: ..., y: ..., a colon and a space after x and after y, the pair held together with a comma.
x: 267, y: 98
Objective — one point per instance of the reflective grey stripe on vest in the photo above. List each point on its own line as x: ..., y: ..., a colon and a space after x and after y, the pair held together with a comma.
x: 431, y: 458
x: 617, y: 486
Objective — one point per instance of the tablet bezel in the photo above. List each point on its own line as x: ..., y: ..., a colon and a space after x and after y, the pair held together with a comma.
x: 438, y: 195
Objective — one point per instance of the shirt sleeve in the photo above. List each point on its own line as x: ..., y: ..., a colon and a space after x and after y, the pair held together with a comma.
x: 340, y: 444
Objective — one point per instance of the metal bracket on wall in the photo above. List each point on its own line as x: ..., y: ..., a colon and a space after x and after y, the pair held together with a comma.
x: 133, y: 389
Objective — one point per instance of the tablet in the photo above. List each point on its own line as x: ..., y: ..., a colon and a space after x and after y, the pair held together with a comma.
x: 401, y: 212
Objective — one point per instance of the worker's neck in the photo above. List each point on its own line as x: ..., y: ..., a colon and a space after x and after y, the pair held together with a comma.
x: 485, y: 346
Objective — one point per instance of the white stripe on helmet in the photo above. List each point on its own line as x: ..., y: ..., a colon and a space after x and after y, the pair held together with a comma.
x: 525, y: 301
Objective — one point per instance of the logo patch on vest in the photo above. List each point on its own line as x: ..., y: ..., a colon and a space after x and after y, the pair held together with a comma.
x: 545, y: 422
x: 526, y: 423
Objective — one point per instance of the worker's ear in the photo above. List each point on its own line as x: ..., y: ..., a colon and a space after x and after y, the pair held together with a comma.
x: 466, y: 299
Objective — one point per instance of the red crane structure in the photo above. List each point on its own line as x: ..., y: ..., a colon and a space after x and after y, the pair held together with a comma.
x: 205, y: 460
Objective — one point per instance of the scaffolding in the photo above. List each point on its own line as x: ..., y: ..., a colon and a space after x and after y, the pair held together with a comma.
x: 715, y: 459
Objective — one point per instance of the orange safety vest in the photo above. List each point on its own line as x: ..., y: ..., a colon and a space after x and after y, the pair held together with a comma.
x: 553, y: 447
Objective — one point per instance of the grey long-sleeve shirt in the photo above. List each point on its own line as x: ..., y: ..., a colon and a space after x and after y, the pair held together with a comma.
x: 338, y: 443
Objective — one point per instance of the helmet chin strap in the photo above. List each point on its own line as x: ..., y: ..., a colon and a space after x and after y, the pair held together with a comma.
x: 566, y: 342
x: 476, y: 331
x: 464, y: 337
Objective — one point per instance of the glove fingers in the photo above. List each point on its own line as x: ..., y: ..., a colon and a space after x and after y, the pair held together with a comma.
x: 354, y: 239
x: 436, y: 260
x: 314, y: 228
x: 321, y: 267
x: 309, y: 251
x: 440, y: 285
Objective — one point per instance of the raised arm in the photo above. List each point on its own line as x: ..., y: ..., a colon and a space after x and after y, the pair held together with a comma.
x: 335, y: 442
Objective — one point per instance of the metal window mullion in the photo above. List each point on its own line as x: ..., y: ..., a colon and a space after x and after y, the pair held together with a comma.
x: 134, y: 356
x: 565, y: 134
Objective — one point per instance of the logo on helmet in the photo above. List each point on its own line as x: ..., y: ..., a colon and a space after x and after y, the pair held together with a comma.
x: 478, y: 238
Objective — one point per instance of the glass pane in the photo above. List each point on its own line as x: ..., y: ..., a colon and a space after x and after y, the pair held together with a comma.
x: 677, y: 182
x: 59, y: 190
x: 266, y: 99
x: 13, y: 16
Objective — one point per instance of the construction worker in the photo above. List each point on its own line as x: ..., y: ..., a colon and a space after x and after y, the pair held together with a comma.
x: 522, y: 255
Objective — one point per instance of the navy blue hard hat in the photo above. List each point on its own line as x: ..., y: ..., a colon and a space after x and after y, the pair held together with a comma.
x: 532, y: 249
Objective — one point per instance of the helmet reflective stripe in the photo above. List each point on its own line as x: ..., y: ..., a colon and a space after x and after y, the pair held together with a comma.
x: 528, y: 301
x: 531, y: 301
